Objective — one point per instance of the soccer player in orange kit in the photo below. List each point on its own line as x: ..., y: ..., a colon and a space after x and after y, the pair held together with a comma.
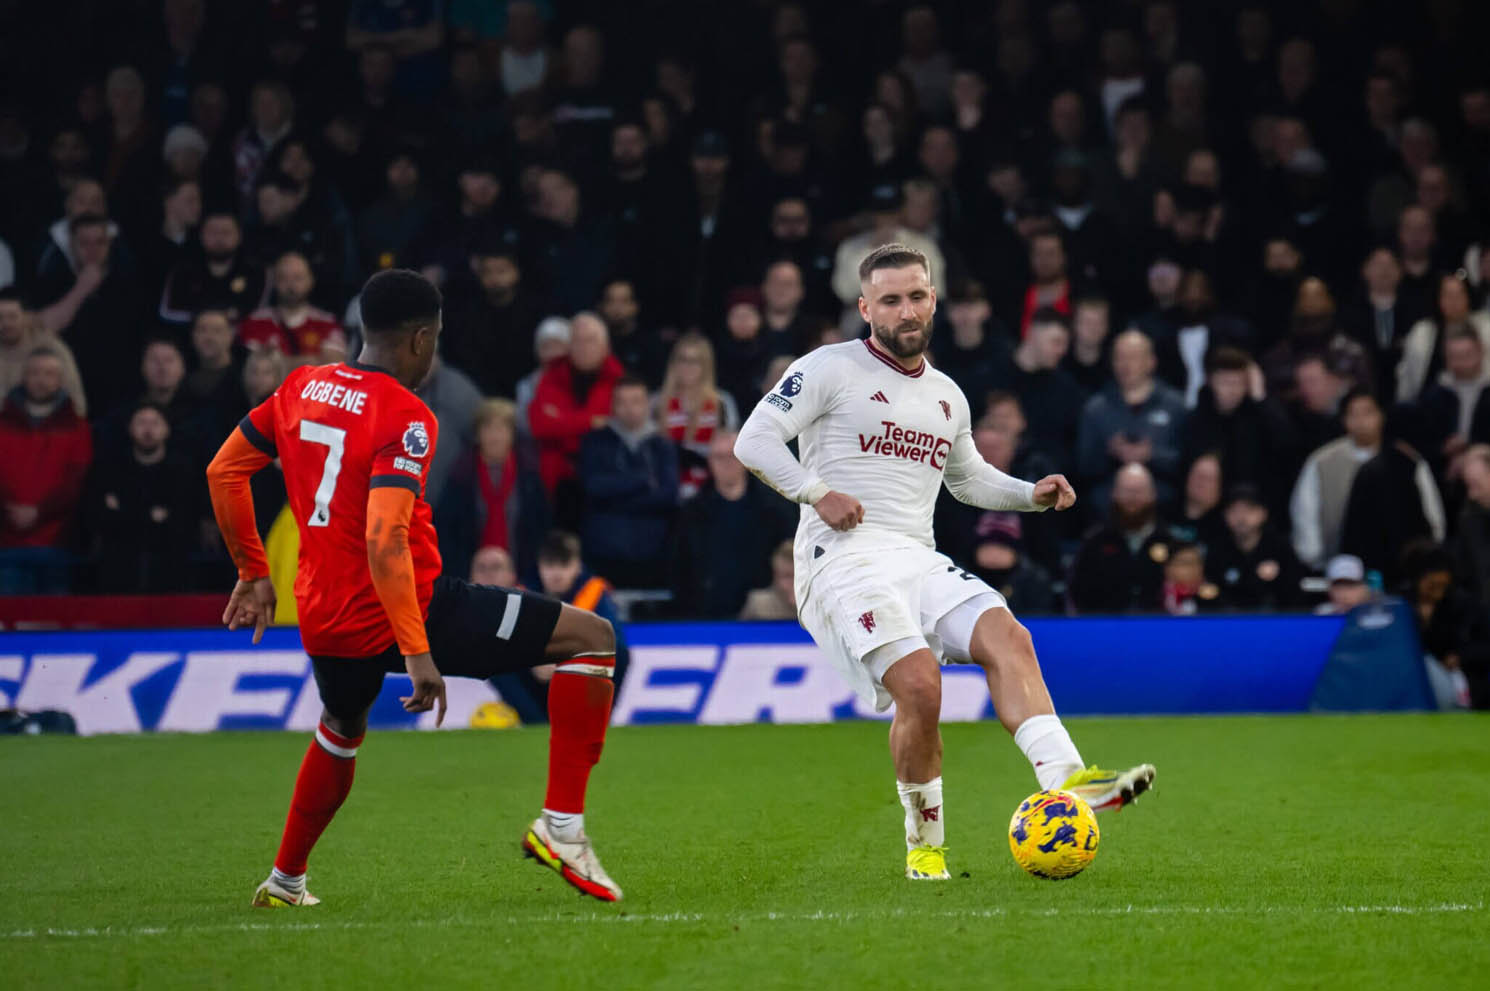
x: 355, y: 445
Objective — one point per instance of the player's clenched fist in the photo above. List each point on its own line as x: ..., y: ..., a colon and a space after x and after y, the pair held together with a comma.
x: 1054, y: 491
x: 840, y: 511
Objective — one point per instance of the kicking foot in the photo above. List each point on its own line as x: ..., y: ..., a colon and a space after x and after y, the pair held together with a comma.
x: 927, y: 863
x: 575, y: 862
x: 1106, y: 791
x: 271, y: 895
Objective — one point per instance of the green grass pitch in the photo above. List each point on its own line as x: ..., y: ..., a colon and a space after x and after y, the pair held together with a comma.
x: 1320, y: 852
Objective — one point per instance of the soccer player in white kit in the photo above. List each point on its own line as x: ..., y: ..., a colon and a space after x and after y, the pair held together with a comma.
x: 880, y: 431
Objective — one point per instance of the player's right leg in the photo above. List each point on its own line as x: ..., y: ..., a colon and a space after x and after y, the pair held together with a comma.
x: 479, y: 631
x: 988, y: 634
x: 348, y: 687
x: 915, y: 683
x: 580, y: 694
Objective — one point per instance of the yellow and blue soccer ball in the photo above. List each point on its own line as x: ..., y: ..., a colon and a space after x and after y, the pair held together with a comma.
x: 1053, y: 835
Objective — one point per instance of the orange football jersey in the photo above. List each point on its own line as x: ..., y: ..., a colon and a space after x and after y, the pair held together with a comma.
x: 340, y: 431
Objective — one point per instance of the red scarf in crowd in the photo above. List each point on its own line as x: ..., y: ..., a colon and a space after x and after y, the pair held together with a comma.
x: 694, y: 476
x: 494, y: 496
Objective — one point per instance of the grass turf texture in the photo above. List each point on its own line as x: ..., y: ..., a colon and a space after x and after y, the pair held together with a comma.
x: 1276, y: 852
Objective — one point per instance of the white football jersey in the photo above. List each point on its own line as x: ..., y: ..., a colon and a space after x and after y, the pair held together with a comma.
x: 870, y: 429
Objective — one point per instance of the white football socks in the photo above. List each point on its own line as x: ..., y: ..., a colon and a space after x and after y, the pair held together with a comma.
x: 567, y: 827
x: 923, y: 813
x: 292, y: 884
x: 1049, y: 748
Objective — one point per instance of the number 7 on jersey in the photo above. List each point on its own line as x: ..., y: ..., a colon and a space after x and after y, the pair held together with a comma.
x: 335, y: 439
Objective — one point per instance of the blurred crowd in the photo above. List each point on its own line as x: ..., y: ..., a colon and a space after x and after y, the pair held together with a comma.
x: 1223, y: 265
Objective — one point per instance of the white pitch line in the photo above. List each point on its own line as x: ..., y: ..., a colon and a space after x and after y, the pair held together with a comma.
x: 129, y: 932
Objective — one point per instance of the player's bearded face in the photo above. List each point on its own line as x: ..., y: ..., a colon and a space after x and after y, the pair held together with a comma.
x: 899, y: 304
x: 904, y: 338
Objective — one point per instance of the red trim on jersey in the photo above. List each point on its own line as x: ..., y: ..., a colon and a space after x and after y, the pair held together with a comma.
x: 920, y: 370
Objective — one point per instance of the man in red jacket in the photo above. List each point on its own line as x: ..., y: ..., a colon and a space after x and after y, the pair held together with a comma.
x: 573, y: 397
x: 45, y: 449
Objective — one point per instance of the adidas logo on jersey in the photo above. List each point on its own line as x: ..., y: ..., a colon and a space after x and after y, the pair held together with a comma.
x: 879, y: 397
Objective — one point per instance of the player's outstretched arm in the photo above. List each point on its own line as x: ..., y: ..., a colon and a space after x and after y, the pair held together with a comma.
x: 974, y: 481
x: 253, y: 600
x: 389, y: 510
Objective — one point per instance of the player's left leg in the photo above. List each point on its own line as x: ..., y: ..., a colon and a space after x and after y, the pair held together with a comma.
x: 348, y: 687
x: 983, y: 630
x: 914, y: 681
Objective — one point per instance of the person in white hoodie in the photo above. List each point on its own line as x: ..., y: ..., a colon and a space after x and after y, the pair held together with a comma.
x: 1422, y: 350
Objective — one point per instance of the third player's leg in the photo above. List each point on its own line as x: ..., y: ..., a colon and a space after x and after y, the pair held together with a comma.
x: 1003, y: 648
x: 915, y: 683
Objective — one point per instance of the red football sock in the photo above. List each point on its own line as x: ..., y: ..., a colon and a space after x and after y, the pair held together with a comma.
x: 324, y: 782
x: 579, y: 700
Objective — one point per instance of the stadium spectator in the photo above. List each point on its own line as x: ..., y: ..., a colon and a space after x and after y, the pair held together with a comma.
x: 1185, y: 591
x: 1089, y: 359
x: 1200, y: 331
x: 1348, y: 588
x: 1050, y: 288
x: 647, y: 208
x: 786, y: 327
x: 271, y: 113
x: 183, y: 152
x: 263, y: 371
x: 143, y: 507
x: 1416, y: 248
x: 690, y: 409
x: 551, y: 340
x: 58, y: 257
x: 97, y: 311
x: 1393, y: 500
x: 1454, y: 633
x: 629, y: 474
x: 493, y: 497
x: 1322, y: 491
x: 174, y: 236
x: 526, y: 60
x: 215, y: 383
x: 1135, y: 420
x: 45, y: 450
x: 1471, y: 543
x: 1199, y: 518
x: 490, y: 323
x: 639, y: 347
x: 574, y: 249
x: 573, y: 397
x: 387, y: 228
x: 1423, y: 350
x: 129, y: 143
x: 1120, y: 565
x: 975, y: 354
x: 1253, y: 565
x: 1251, y: 436
x: 1315, y: 410
x: 887, y: 224
x: 777, y: 601
x: 320, y: 216
x: 20, y: 334
x: 1050, y: 398
x: 1454, y: 411
x: 454, y: 399
x: 219, y: 277
x: 1313, y: 332
x: 1380, y: 317
x: 284, y: 225
x: 584, y: 106
x: 743, y: 351
x: 292, y: 325
x: 493, y: 566
x: 724, y: 537
x: 792, y: 236
x: 564, y: 574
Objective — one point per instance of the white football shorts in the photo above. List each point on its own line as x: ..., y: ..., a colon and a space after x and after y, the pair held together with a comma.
x: 868, y: 610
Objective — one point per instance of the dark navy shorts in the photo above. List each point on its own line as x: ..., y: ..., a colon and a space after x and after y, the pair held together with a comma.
x: 475, y: 631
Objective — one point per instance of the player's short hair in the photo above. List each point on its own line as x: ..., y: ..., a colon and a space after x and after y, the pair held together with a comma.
x: 1227, y: 359
x: 558, y: 547
x: 397, y: 300
x: 892, y: 255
